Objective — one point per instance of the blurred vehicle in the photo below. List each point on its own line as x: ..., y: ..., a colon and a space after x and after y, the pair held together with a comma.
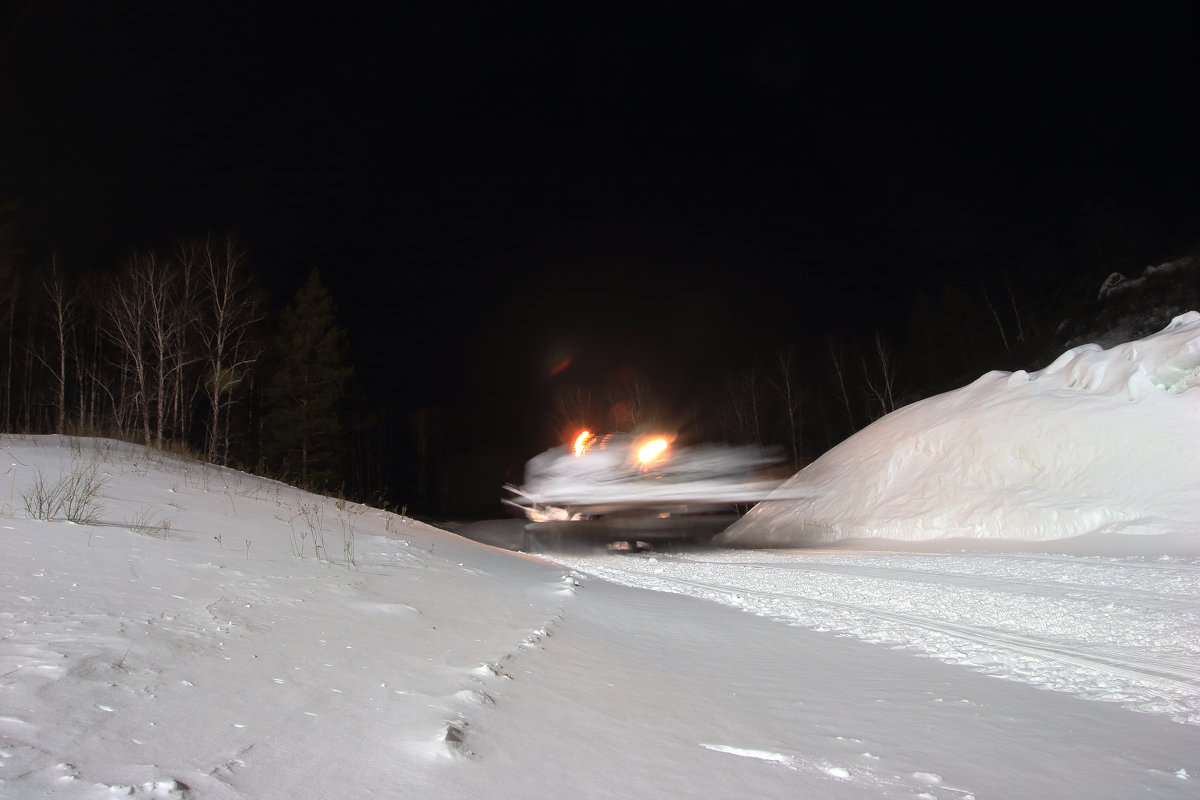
x: 637, y: 492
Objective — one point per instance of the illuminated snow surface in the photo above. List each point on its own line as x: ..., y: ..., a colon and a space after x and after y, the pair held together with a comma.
x: 217, y: 635
x: 1101, y: 442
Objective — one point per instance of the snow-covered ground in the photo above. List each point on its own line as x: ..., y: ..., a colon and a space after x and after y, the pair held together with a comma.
x: 170, y: 629
x: 1121, y: 630
x: 196, y: 641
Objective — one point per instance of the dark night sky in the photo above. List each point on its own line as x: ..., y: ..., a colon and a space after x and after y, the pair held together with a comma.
x: 486, y: 187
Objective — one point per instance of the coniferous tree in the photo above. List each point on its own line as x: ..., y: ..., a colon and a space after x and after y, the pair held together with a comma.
x: 301, y: 432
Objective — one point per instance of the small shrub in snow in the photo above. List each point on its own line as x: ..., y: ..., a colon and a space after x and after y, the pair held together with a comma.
x: 313, y: 525
x: 145, y: 523
x: 348, y: 519
x: 73, y: 495
x: 79, y: 494
x: 42, y: 501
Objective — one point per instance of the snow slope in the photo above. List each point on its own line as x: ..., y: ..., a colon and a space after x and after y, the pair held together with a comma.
x: 1099, y: 442
x: 211, y: 634
x: 185, y: 654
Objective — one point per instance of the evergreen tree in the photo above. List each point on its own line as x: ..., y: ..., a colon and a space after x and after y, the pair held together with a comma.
x: 301, y: 432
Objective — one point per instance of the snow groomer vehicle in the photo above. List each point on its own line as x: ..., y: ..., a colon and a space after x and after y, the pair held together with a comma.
x: 636, y: 492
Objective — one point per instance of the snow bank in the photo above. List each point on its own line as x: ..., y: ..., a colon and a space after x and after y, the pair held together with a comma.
x: 1099, y: 442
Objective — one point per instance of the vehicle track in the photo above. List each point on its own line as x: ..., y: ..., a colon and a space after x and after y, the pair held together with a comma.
x: 1166, y: 678
x: 1157, y: 598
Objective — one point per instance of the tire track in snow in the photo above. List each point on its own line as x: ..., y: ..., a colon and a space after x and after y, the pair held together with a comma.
x: 1167, y: 681
x: 1183, y: 672
x: 1051, y: 582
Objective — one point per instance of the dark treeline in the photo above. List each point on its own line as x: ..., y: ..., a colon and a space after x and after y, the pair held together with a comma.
x: 807, y: 396
x: 183, y: 348
x: 175, y: 349
x: 180, y: 348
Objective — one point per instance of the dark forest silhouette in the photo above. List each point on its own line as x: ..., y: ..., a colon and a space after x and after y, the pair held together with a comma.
x: 179, y: 348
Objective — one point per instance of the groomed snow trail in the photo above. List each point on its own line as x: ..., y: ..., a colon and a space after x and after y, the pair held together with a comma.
x: 1124, y: 630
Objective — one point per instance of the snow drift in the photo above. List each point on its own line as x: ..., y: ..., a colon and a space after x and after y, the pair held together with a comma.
x: 1099, y: 442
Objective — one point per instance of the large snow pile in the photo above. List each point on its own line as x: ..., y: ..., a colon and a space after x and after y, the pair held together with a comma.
x: 1099, y: 442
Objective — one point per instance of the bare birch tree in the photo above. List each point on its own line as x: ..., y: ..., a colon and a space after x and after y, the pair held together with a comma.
x: 91, y: 380
x: 148, y: 322
x: 631, y: 408
x: 881, y: 381
x: 837, y: 357
x: 180, y: 343
x: 167, y: 320
x: 1012, y: 300
x: 10, y: 289
x: 125, y: 313
x: 62, y: 313
x: 743, y: 419
x: 231, y: 308
x: 987, y: 298
x: 574, y: 408
x: 790, y: 398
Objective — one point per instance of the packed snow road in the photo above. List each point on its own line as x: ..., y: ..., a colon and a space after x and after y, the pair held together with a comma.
x: 1115, y: 629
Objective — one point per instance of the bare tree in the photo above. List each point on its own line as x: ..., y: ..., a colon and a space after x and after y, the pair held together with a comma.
x: 1012, y: 299
x: 881, y: 384
x: 181, y: 350
x: 838, y: 358
x: 125, y: 313
x: 574, y: 408
x: 785, y: 383
x: 62, y: 312
x: 427, y: 427
x: 987, y: 298
x: 10, y: 289
x: 9, y: 296
x: 631, y: 407
x: 167, y: 320
x: 231, y: 308
x: 152, y: 317
x: 743, y: 418
x: 91, y: 380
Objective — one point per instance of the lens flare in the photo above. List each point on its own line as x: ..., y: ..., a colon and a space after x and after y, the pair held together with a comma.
x: 583, y: 441
x: 652, y: 450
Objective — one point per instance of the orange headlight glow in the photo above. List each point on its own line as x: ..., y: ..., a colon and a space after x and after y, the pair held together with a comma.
x: 583, y: 441
x: 652, y: 450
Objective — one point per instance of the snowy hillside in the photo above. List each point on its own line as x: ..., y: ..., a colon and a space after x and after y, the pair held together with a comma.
x: 201, y: 633
x: 206, y: 619
x: 1099, y: 442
